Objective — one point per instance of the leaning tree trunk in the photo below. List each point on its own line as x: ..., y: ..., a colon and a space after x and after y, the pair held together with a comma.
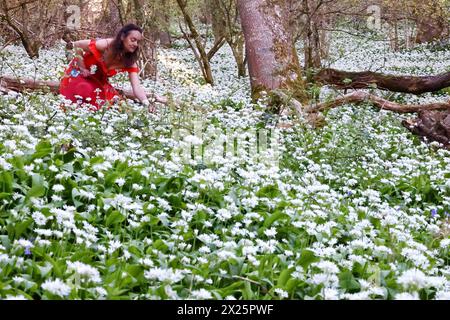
x: 272, y: 59
x: 30, y: 44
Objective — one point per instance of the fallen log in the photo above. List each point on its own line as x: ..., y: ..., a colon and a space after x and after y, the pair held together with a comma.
x: 366, y: 79
x: 432, y: 123
x: 21, y: 85
x: 358, y: 97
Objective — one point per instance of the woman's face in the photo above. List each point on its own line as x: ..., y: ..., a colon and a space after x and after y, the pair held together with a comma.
x: 132, y: 40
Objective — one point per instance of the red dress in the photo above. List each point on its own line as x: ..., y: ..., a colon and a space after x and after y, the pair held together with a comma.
x: 94, y: 89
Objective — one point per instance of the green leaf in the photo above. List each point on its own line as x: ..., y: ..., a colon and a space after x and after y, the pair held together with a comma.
x: 247, y: 292
x: 56, y: 267
x: 348, y: 282
x: 4, y: 195
x: 171, y: 185
x: 6, y: 182
x: 135, y: 251
x: 134, y: 271
x: 43, y: 148
x: 4, y: 240
x: 37, y: 187
x: 114, y: 217
x: 96, y: 160
x: 21, y: 227
x: 307, y: 257
x: 284, y: 277
x: 160, y: 245
x: 277, y: 215
x: 231, y: 288
x: 270, y: 191
x: 11, y: 231
x: 291, y: 284
x: 69, y: 155
x: 45, y: 269
x: 76, y: 202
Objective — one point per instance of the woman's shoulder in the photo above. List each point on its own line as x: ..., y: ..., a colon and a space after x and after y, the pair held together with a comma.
x: 102, y: 44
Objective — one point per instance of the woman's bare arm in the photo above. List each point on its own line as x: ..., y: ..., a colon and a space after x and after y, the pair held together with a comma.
x: 138, y: 91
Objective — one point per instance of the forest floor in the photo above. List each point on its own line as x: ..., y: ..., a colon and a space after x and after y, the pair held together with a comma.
x: 124, y: 204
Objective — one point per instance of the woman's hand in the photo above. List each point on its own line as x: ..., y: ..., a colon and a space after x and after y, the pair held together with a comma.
x: 150, y: 106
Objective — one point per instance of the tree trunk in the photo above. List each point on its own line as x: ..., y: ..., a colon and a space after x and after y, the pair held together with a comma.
x: 197, y: 47
x: 225, y: 24
x: 272, y: 59
x: 237, y: 47
x: 148, y: 61
x: 366, y: 79
x: 31, y: 45
x: 429, y: 30
x: 432, y: 125
x: 312, y: 38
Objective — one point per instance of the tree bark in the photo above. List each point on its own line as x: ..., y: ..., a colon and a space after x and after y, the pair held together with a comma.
x: 31, y: 45
x: 366, y: 79
x: 197, y: 47
x: 226, y: 24
x: 432, y: 125
x: 358, y: 97
x: 312, y: 38
x: 272, y: 59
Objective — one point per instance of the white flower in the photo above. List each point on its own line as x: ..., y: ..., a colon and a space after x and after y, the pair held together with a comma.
x: 445, y: 243
x: 330, y: 294
x: 194, y: 140
x: 109, y: 130
x: 443, y: 295
x: 201, y: 294
x: 5, y: 165
x: 407, y: 296
x: 56, y: 287
x: 19, y: 297
x: 56, y: 198
x: 39, y: 218
x: 272, y: 232
x: 223, y: 214
x: 84, y: 270
x: 172, y: 294
x: 114, y: 245
x: 24, y: 243
x: 281, y: 293
x: 164, y: 275
x: 327, y: 267
x: 58, y: 188
x: 413, y: 278
x: 120, y: 182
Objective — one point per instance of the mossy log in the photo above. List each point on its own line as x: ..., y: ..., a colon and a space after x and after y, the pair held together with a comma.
x: 366, y: 79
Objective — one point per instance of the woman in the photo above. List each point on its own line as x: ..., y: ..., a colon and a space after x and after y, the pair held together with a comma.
x: 86, y: 78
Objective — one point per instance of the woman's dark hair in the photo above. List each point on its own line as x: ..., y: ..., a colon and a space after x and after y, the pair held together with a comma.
x: 128, y: 58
